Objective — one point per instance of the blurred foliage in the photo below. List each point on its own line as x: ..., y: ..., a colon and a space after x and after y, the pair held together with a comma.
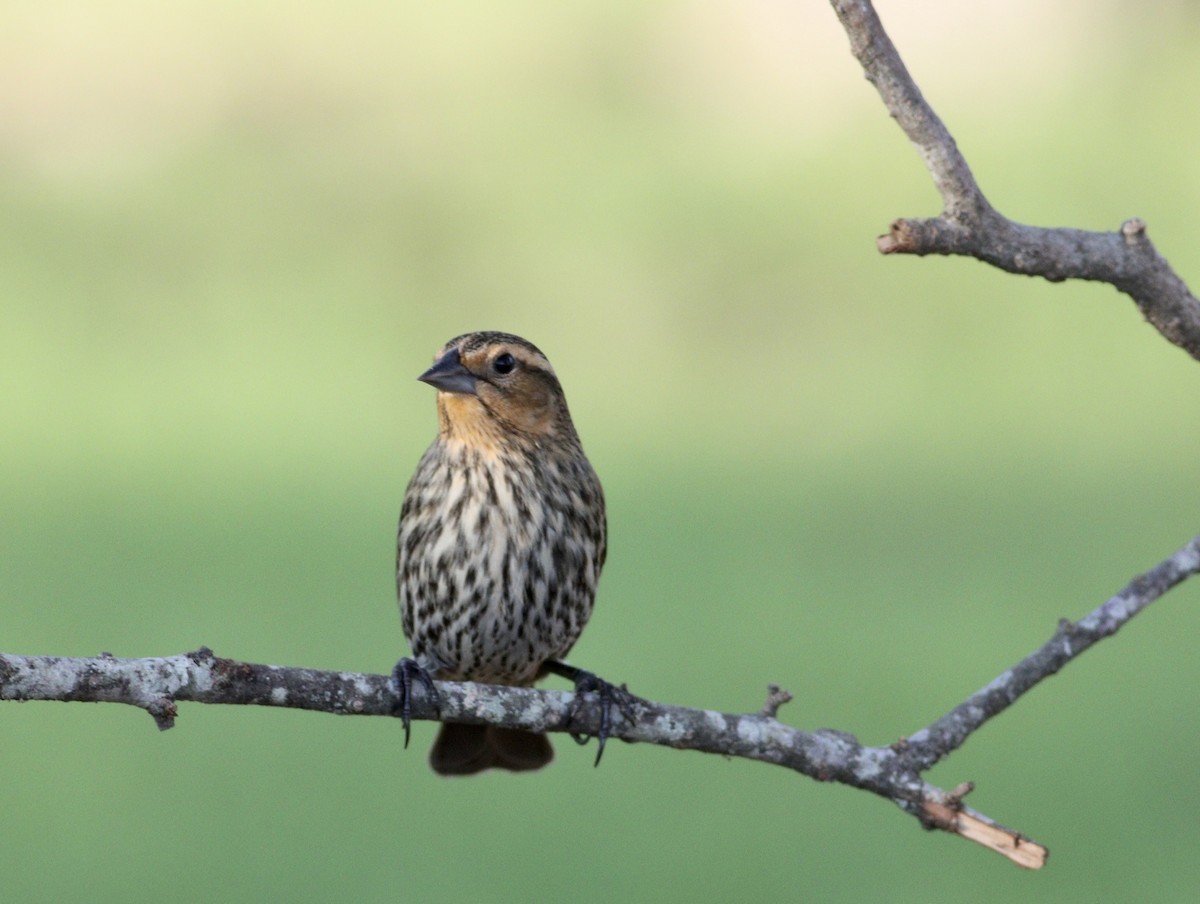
x: 231, y: 235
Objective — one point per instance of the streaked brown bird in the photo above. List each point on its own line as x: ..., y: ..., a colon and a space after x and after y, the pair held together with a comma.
x: 501, y: 542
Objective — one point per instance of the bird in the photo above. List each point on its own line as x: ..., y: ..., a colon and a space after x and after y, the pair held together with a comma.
x: 501, y: 541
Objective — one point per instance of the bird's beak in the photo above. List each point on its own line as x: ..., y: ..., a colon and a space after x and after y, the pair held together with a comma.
x: 449, y: 375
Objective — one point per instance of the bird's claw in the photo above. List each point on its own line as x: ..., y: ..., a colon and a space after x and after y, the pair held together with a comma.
x: 403, y: 675
x: 610, y: 697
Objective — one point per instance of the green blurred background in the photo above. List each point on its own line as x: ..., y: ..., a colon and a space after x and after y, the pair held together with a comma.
x: 232, y: 234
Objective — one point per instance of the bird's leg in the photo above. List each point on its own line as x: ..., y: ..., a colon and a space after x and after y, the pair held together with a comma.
x: 610, y: 696
x: 406, y: 671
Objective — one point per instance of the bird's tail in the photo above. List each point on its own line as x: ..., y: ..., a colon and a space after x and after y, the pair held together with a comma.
x: 467, y: 749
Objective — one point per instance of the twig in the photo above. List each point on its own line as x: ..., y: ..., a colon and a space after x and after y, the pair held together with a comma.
x: 971, y: 227
x: 776, y: 697
x: 894, y: 772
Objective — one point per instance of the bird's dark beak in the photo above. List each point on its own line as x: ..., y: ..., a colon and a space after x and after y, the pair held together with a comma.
x: 449, y: 375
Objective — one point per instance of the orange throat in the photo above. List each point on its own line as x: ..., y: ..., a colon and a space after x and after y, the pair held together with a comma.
x: 464, y: 419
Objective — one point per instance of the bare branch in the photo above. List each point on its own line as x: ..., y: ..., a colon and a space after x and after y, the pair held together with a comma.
x: 157, y: 685
x: 971, y: 227
x: 887, y: 72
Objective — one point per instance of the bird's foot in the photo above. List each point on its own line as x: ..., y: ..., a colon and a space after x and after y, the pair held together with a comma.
x: 611, y: 698
x: 403, y: 675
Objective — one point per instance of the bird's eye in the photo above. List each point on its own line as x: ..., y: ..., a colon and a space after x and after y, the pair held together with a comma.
x: 504, y: 364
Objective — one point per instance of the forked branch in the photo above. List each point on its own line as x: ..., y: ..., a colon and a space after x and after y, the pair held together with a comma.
x: 893, y: 772
x: 969, y: 226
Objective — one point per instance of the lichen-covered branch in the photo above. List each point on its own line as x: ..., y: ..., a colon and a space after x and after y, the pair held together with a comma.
x: 971, y: 227
x: 158, y: 685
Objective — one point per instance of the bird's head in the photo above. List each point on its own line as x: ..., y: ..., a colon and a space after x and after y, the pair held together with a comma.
x: 494, y: 386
